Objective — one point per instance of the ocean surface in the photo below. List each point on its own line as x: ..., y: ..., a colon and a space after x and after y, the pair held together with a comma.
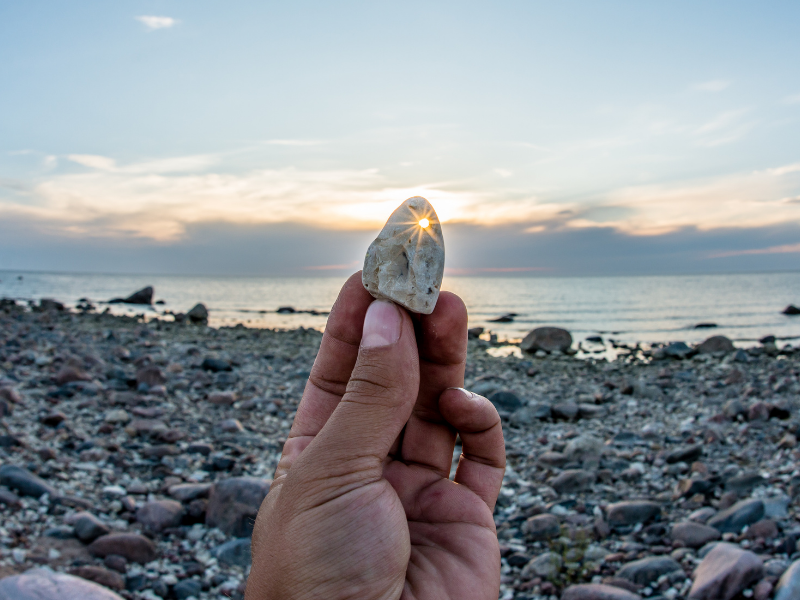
x: 745, y: 307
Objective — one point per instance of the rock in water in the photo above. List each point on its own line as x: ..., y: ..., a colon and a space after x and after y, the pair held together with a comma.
x: 405, y: 263
x: 143, y: 296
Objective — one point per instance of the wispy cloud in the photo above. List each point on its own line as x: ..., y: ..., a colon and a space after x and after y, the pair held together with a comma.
x: 793, y: 99
x: 295, y: 142
x: 714, y: 85
x: 725, y: 128
x: 153, y: 22
x: 783, y: 249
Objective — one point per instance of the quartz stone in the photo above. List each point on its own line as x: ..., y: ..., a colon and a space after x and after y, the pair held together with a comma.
x: 405, y: 263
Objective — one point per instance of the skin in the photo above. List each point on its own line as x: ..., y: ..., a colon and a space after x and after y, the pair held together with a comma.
x: 362, y: 505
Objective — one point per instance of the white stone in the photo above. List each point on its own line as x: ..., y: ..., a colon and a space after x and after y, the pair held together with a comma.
x: 405, y: 263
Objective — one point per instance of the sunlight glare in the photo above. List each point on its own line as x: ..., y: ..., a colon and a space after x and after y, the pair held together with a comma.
x: 424, y: 223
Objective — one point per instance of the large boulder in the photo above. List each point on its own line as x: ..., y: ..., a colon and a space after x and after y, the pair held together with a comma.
x: 44, y: 584
x: 791, y: 310
x: 143, y: 296
x: 716, y: 344
x: 233, y: 504
x: 725, y: 572
x: 549, y: 339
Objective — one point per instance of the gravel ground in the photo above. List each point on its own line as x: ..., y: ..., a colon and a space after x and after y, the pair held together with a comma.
x: 135, y: 455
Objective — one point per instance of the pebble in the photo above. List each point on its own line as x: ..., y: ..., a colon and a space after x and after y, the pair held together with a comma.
x: 88, y: 527
x: 694, y: 535
x: 632, y: 512
x: 234, y: 552
x: 647, y: 570
x: 157, y: 515
x: 405, y: 263
x: 542, y: 527
x: 133, y: 547
x: 233, y: 504
x: 25, y: 482
x: 732, y: 519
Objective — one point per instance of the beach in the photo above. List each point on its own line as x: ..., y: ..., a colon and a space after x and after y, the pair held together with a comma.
x: 135, y: 454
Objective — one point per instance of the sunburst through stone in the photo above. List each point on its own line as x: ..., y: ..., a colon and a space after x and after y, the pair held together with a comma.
x: 405, y: 263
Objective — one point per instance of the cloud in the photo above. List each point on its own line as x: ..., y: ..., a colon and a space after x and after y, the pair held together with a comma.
x: 153, y: 22
x: 794, y: 99
x: 725, y: 128
x: 714, y: 85
x: 782, y: 249
x: 295, y: 142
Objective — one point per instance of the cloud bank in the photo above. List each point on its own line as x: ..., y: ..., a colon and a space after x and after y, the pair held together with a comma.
x: 153, y: 22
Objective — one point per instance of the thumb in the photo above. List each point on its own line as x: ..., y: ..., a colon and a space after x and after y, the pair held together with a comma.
x: 379, y: 398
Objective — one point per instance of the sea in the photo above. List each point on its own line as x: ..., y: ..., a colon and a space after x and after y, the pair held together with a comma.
x: 625, y: 309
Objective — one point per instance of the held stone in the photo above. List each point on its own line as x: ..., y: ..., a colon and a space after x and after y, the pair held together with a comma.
x: 405, y: 263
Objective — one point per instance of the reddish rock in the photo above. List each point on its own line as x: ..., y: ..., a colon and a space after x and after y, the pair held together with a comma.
x: 101, y: 575
x: 158, y: 515
x: 70, y: 374
x: 224, y: 398
x: 694, y: 535
x: 549, y: 339
x: 134, y: 547
x: 725, y: 572
x: 151, y: 376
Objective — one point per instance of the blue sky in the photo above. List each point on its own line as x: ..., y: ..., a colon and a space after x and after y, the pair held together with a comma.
x: 275, y: 138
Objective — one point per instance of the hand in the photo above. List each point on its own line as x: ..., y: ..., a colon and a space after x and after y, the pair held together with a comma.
x: 361, y: 505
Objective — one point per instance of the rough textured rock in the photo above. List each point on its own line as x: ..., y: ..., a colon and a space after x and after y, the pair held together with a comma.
x: 725, y: 572
x: 134, y: 547
x: 731, y: 520
x: 549, y: 339
x: 44, y: 584
x: 789, y: 585
x: 647, y: 570
x: 715, y: 344
x: 233, y: 504
x: 405, y: 263
x: 597, y: 591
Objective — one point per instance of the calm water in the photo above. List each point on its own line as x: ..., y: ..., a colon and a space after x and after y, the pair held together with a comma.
x: 665, y: 308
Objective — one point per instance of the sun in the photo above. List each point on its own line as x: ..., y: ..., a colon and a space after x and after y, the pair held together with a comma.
x: 424, y: 223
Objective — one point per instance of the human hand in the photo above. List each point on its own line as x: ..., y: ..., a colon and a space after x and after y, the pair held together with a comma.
x: 361, y: 505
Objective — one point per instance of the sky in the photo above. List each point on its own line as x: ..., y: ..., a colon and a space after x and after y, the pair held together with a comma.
x: 275, y: 138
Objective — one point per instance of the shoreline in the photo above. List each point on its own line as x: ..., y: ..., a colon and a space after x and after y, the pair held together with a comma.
x: 155, y: 428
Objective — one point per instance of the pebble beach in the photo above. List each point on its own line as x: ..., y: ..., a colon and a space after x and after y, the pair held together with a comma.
x: 134, y: 455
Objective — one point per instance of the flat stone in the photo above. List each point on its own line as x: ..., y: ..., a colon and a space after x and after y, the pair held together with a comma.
x: 235, y: 553
x: 233, y: 504
x: 573, y: 481
x: 405, y: 263
x: 647, y: 570
x: 597, y: 591
x: 694, y: 535
x: 548, y: 339
x: 44, y: 584
x: 731, y: 520
x: 686, y: 454
x: 158, y: 515
x: 186, y: 492
x: 788, y: 587
x: 632, y: 512
x: 542, y: 527
x: 134, y: 547
x: 25, y: 482
x: 88, y: 527
x: 725, y: 572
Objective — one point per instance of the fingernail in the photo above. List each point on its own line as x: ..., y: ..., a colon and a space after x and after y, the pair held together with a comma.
x: 381, y: 325
x: 466, y: 393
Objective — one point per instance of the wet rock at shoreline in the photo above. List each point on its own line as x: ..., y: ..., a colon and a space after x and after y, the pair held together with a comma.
x: 143, y: 296
x: 547, y: 339
x: 405, y: 263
